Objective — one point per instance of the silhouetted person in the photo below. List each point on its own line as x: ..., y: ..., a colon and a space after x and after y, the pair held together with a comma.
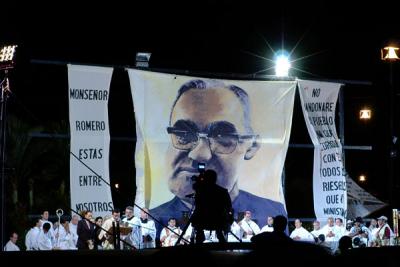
x: 345, y: 244
x: 213, y: 207
x: 276, y: 237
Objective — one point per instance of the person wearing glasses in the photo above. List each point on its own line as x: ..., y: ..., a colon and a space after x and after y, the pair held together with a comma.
x: 210, y: 123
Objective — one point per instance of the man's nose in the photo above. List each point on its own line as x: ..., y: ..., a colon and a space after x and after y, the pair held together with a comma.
x: 202, y: 151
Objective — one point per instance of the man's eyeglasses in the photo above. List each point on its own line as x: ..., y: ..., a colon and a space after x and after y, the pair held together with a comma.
x: 222, y: 143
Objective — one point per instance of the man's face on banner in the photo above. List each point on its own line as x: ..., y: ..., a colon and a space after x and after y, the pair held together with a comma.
x: 218, y: 113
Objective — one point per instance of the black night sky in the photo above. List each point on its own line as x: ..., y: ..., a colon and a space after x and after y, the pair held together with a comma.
x: 331, y: 41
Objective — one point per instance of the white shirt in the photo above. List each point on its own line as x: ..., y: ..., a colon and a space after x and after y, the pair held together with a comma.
x: 10, y: 246
x: 326, y: 230
x: 149, y: 228
x: 267, y: 228
x: 249, y: 226
x: 44, y: 241
x: 31, y: 238
x: 303, y: 234
x: 170, y: 237
x: 135, y: 237
x: 65, y: 239
x: 73, y: 230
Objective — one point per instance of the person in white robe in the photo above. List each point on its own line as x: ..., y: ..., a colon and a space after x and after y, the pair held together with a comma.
x: 167, y: 237
x: 249, y: 227
x: 269, y: 226
x: 11, y: 245
x: 148, y: 230
x: 32, y: 236
x: 64, y: 237
x: 301, y: 234
x: 45, y: 240
x: 340, y: 228
x: 135, y: 236
x: 331, y: 235
x: 44, y: 219
x: 107, y: 226
x: 73, y: 226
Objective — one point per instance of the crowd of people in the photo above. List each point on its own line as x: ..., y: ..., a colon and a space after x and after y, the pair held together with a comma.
x: 139, y: 232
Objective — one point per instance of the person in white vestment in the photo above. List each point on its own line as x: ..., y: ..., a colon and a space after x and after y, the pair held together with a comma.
x: 167, y: 237
x: 45, y: 239
x: 135, y: 236
x: 64, y: 237
x: 301, y: 234
x: 340, y: 228
x: 73, y: 226
x: 249, y: 227
x: 331, y: 235
x: 269, y: 226
x: 105, y: 237
x: 32, y: 235
x: 12, y: 243
x: 44, y: 219
x: 148, y: 230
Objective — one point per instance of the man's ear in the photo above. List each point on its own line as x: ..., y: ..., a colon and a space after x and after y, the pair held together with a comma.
x: 252, y: 150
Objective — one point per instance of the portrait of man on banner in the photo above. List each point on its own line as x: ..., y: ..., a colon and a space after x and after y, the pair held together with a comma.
x: 210, y: 122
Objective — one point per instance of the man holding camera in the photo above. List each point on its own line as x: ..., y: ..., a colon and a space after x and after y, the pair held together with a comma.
x: 213, y: 207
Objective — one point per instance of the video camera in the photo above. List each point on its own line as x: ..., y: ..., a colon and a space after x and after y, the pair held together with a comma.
x: 201, y: 168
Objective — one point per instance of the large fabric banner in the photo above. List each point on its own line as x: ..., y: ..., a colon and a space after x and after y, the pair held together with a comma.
x: 240, y: 129
x: 318, y: 100
x: 360, y: 202
x: 90, y: 138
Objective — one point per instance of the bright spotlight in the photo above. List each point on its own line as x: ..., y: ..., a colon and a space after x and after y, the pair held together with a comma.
x: 282, y: 65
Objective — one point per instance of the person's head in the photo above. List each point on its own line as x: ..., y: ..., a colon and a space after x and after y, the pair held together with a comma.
x: 75, y: 219
x: 247, y: 215
x: 14, y: 237
x: 64, y: 220
x: 144, y: 214
x: 373, y: 223
x: 46, y: 227
x: 358, y: 222
x: 339, y: 222
x: 316, y: 225
x: 209, y: 123
x: 297, y: 223
x: 116, y: 214
x: 45, y: 215
x: 172, y: 222
x: 345, y: 243
x: 270, y: 220
x: 280, y: 223
x: 129, y: 212
x: 98, y: 221
x: 382, y: 220
x: 330, y: 221
x: 87, y: 214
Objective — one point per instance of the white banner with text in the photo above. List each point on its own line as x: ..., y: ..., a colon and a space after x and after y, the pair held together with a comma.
x: 318, y: 100
x: 88, y: 91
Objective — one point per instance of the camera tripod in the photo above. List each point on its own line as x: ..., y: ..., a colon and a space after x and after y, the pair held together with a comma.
x: 192, y: 237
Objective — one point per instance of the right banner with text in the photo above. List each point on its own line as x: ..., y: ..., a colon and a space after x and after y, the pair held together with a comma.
x: 318, y: 100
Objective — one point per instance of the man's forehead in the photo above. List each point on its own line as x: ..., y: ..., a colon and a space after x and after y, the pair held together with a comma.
x: 205, y: 106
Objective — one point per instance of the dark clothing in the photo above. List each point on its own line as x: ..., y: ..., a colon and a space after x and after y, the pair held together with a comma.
x: 85, y: 232
x: 212, y: 208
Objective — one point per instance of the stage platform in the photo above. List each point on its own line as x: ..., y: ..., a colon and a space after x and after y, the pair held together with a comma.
x: 211, y: 255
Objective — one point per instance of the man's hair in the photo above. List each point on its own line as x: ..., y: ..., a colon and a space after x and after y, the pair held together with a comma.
x: 280, y: 223
x: 129, y: 208
x: 115, y: 211
x: 214, y: 84
x: 46, y: 226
